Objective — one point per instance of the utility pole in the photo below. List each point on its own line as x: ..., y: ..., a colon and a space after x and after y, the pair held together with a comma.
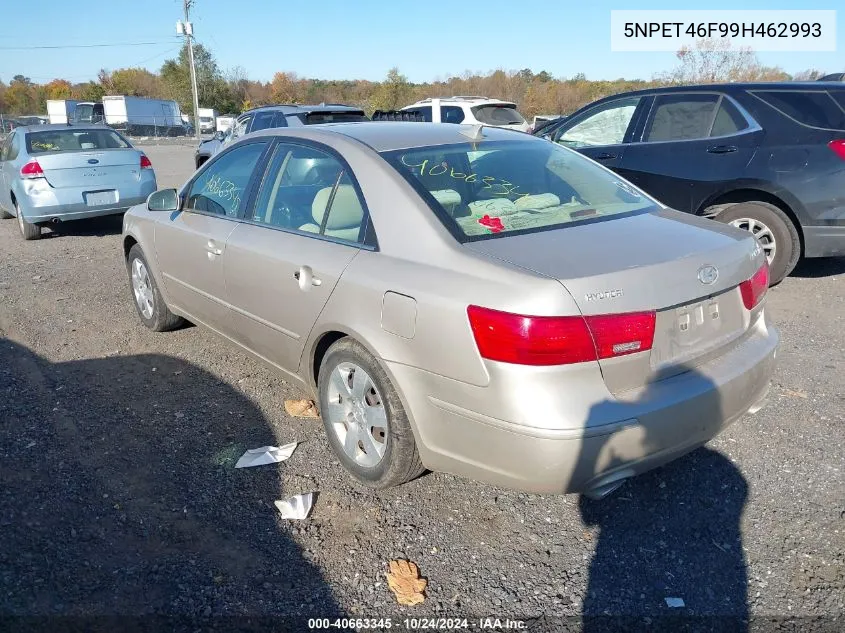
x: 189, y: 40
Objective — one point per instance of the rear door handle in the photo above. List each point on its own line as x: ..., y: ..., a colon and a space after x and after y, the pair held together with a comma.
x: 605, y: 156
x: 213, y: 249
x: 722, y: 149
x: 305, y: 277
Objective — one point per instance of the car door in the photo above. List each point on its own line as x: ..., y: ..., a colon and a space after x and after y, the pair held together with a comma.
x: 602, y: 131
x: 285, y: 258
x: 191, y: 244
x: 693, y: 145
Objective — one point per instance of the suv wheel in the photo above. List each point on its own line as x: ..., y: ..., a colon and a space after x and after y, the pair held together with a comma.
x: 774, y: 230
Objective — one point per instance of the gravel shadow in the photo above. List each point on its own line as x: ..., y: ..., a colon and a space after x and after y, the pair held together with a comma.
x: 91, y: 227
x: 120, y: 496
x: 819, y: 267
x: 673, y: 532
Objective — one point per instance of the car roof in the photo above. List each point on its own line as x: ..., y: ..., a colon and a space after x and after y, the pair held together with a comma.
x: 728, y: 87
x: 289, y: 108
x: 60, y: 126
x: 384, y: 136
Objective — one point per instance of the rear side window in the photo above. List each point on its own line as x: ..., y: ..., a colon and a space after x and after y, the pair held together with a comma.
x: 812, y: 108
x: 264, y: 120
x: 71, y: 140
x: 679, y: 117
x: 498, y: 115
x: 453, y: 114
x: 728, y: 120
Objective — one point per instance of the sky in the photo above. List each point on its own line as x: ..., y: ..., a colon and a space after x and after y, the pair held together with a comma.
x: 337, y: 39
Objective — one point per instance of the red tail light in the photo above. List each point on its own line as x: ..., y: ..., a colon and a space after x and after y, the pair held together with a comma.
x: 838, y: 147
x: 753, y: 290
x: 539, y: 340
x: 32, y: 169
x: 145, y: 162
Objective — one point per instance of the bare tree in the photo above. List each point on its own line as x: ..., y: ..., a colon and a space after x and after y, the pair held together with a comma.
x: 715, y: 60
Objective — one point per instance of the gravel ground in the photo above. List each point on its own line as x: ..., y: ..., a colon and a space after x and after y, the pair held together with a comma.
x: 120, y: 495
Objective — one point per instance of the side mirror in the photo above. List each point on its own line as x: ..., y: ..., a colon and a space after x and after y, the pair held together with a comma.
x: 163, y: 200
x: 219, y: 135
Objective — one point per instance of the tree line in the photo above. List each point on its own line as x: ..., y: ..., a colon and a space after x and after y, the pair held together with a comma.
x: 232, y: 91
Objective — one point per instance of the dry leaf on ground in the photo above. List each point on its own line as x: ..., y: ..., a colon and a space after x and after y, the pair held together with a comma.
x: 301, y: 408
x: 405, y: 582
x: 794, y: 393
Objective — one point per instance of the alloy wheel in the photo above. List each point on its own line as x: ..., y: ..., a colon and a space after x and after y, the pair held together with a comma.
x: 763, y: 234
x: 142, y: 288
x: 356, y: 414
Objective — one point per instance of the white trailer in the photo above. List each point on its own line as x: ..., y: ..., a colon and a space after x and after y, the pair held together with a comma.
x: 224, y: 122
x: 208, y: 118
x: 140, y: 116
x: 60, y: 110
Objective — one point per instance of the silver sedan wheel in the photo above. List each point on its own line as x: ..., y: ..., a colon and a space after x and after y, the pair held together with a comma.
x: 762, y: 232
x: 20, y: 218
x: 142, y: 288
x: 357, y: 414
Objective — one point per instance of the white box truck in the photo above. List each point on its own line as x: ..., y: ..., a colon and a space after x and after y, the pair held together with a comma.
x: 60, y: 110
x: 208, y: 120
x: 140, y: 116
x: 224, y: 122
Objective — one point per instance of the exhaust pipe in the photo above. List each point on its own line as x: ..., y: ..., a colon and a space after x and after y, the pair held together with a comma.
x: 607, y: 486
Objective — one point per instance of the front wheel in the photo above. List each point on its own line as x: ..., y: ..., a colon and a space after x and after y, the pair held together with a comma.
x: 773, y: 229
x: 366, y: 424
x: 149, y: 303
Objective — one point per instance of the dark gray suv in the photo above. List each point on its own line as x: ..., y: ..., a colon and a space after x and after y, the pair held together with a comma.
x: 277, y: 116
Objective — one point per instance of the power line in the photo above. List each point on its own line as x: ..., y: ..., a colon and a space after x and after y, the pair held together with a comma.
x: 31, y: 48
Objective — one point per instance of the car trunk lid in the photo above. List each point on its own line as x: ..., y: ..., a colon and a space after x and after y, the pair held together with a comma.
x: 95, y: 169
x: 661, y: 261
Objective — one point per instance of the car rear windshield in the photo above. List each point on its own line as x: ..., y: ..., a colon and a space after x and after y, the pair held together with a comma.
x: 313, y: 118
x: 496, y: 188
x: 814, y: 108
x: 71, y: 140
x: 499, y: 114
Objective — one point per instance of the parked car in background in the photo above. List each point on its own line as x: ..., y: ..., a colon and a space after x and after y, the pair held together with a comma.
x: 546, y: 123
x: 491, y: 112
x: 266, y: 117
x: 563, y: 352
x: 32, y: 119
x: 56, y: 173
x: 767, y: 157
x: 833, y: 77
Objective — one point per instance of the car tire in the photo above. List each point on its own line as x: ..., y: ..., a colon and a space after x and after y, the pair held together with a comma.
x: 775, y: 231
x: 342, y: 408
x: 149, y: 304
x: 28, y: 231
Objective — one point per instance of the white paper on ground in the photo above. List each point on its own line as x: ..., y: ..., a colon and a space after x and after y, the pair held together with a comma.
x: 675, y: 603
x: 266, y: 455
x: 296, y: 507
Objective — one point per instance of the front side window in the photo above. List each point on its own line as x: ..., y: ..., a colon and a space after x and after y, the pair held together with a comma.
x: 681, y: 117
x: 73, y: 140
x: 498, y: 188
x: 265, y: 120
x: 498, y: 114
x: 605, y: 125
x: 306, y: 189
x: 221, y: 188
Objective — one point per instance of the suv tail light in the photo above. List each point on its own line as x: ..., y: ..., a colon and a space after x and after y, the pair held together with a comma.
x: 542, y: 340
x: 838, y: 147
x: 753, y: 290
x: 145, y: 162
x: 32, y: 169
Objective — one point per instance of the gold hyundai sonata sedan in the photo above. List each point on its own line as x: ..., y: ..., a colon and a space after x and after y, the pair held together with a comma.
x: 464, y: 299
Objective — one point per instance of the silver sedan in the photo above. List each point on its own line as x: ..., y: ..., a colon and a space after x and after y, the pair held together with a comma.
x: 464, y: 299
x: 56, y: 173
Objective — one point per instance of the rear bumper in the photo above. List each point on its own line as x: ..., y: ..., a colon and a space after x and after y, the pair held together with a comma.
x: 824, y: 241
x: 652, y: 427
x: 44, y: 204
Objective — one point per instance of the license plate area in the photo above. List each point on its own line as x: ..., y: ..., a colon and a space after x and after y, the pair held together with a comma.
x: 100, y: 198
x: 696, y: 329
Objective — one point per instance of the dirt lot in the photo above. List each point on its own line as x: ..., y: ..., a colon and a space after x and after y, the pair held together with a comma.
x: 120, y: 495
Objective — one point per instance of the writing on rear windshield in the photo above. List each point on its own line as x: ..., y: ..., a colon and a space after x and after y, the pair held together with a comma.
x: 497, y: 186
